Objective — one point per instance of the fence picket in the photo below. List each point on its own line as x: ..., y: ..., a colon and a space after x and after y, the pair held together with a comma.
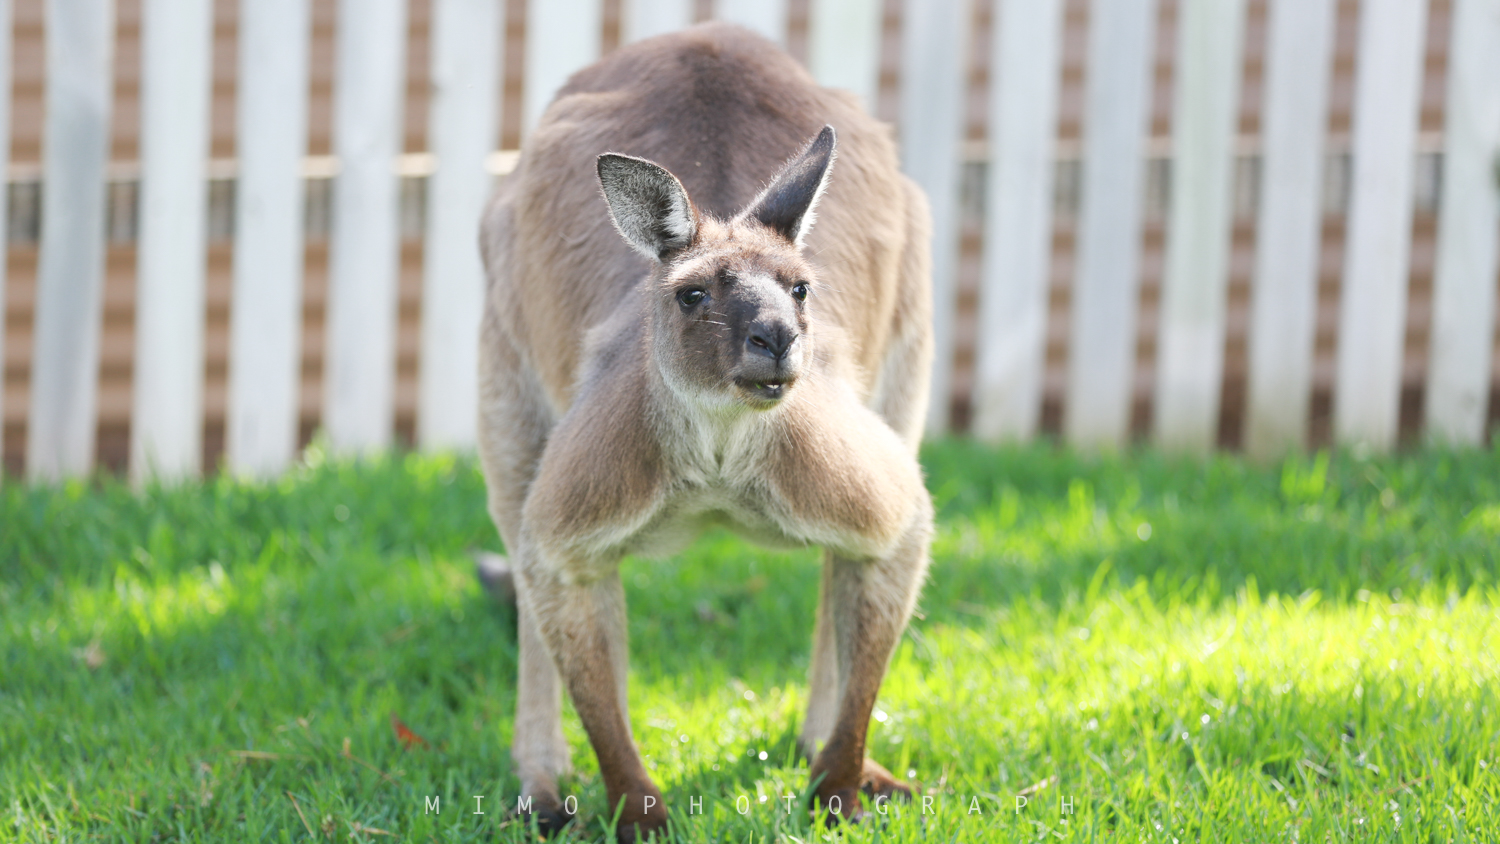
x: 465, y: 89
x: 767, y: 17
x: 61, y: 426
x: 844, y: 46
x: 7, y: 19
x: 562, y: 36
x: 1190, y: 365
x: 932, y: 112
x: 1463, y: 294
x: 645, y: 18
x: 1284, y: 294
x: 265, y: 356
x: 166, y: 419
x: 1101, y: 354
x: 359, y: 379
x: 1372, y: 318
x: 1010, y: 342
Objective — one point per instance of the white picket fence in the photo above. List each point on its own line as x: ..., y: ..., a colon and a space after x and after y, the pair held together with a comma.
x: 844, y: 50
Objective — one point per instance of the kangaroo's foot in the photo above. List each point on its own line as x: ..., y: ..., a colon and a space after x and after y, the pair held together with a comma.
x: 644, y: 813
x: 836, y: 775
x: 876, y: 781
x: 497, y: 577
x: 839, y: 802
x: 838, y: 805
x: 548, y: 815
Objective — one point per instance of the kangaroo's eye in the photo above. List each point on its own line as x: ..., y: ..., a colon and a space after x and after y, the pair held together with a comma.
x: 799, y: 290
x: 691, y: 296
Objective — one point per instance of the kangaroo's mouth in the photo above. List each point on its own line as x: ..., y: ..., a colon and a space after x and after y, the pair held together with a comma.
x: 769, y: 390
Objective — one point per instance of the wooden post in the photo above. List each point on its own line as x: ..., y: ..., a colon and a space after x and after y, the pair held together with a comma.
x: 844, y: 38
x: 1101, y: 354
x: 1463, y: 294
x: 562, y: 36
x: 1012, y: 331
x: 466, y: 37
x: 1372, y: 318
x: 166, y: 420
x: 1190, y: 365
x: 932, y: 114
x: 767, y: 17
x: 265, y: 355
x: 364, y: 253
x: 645, y: 18
x: 1284, y: 295
x: 70, y: 274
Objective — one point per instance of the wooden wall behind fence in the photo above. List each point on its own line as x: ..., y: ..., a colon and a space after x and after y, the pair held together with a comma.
x: 115, y: 371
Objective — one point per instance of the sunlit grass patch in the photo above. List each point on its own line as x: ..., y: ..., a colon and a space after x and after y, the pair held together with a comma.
x: 1165, y: 648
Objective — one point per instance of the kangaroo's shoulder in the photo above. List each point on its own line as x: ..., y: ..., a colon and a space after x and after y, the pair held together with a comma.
x: 846, y: 478
x: 602, y: 467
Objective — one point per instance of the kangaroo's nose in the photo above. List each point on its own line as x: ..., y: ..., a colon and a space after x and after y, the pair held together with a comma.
x: 771, y: 338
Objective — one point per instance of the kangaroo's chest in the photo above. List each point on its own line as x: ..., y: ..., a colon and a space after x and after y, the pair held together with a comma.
x: 718, y: 484
x: 687, y: 512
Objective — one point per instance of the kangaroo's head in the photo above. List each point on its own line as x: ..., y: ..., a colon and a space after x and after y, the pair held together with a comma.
x: 728, y: 307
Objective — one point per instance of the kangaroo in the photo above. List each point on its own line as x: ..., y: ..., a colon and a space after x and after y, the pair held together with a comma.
x: 691, y: 350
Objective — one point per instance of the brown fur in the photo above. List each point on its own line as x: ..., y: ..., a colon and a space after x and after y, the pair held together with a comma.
x: 617, y: 418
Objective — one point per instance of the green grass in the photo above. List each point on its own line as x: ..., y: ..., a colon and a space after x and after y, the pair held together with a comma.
x: 1305, y: 651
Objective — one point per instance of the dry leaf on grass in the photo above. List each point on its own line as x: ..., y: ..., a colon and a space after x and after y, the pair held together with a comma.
x: 404, y: 734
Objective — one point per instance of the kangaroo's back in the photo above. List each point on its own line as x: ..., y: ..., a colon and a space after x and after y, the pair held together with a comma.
x: 722, y: 109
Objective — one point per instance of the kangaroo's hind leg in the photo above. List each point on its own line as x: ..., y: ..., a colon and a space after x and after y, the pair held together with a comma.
x: 823, y: 680
x: 826, y: 690
x: 868, y: 602
x: 514, y: 421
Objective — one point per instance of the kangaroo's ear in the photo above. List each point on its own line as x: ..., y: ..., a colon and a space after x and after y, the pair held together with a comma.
x: 648, y: 205
x: 787, y: 204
